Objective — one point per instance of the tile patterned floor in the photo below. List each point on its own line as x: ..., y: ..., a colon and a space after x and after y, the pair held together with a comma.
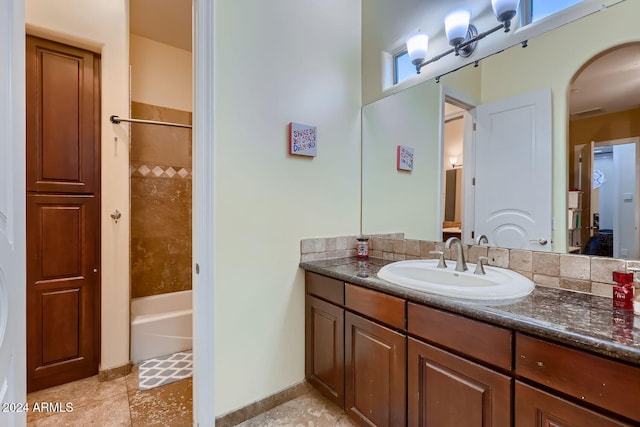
x: 115, y: 403
x: 120, y: 403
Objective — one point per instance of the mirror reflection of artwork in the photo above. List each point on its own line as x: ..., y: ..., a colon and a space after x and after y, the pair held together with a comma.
x: 404, y: 158
x: 598, y: 178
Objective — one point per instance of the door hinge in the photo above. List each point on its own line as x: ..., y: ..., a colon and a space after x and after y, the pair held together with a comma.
x: 474, y: 126
x: 473, y: 234
x: 473, y: 181
x: 197, y: 268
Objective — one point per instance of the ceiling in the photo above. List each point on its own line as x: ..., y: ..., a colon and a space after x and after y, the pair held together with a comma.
x: 165, y: 21
x: 608, y: 84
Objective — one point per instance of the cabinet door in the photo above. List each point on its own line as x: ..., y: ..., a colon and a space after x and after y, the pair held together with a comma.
x: 375, y: 361
x: 63, y: 289
x: 535, y: 408
x: 324, y: 354
x: 63, y: 118
x: 447, y: 390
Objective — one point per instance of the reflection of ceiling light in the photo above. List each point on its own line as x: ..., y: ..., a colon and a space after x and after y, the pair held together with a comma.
x: 598, y: 150
x: 462, y: 35
x: 454, y: 162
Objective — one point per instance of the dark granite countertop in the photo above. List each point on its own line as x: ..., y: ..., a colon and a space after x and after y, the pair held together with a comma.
x: 585, y: 321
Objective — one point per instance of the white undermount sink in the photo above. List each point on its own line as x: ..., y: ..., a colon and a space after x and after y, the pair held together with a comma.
x: 424, y: 275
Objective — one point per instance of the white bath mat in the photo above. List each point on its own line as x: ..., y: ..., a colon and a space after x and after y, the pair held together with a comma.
x: 165, y: 370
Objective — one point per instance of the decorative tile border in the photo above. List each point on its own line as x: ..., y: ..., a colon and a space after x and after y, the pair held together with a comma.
x: 159, y: 171
x: 581, y: 273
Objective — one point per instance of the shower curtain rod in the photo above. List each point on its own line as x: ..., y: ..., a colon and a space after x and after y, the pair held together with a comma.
x: 116, y: 120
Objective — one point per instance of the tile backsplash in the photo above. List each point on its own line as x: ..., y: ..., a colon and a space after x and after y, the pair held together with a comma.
x: 567, y: 271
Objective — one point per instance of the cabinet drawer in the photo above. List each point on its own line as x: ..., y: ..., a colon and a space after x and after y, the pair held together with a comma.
x: 535, y: 408
x: 325, y: 287
x: 478, y: 340
x: 376, y: 305
x: 605, y: 383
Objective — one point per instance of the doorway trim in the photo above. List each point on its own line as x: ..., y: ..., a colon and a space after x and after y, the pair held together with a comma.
x: 451, y: 96
x: 203, y: 238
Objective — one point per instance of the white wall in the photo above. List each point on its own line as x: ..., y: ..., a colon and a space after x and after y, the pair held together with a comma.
x: 160, y: 74
x: 278, y: 62
x: 102, y: 26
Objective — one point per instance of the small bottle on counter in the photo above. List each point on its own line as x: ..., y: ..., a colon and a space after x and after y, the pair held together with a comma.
x: 623, y: 290
x: 362, y: 247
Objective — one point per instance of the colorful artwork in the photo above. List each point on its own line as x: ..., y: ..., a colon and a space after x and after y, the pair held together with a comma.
x: 404, y: 160
x: 303, y: 139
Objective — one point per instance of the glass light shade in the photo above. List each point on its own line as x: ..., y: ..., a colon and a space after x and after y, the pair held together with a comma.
x: 456, y: 25
x: 505, y: 10
x: 417, y: 46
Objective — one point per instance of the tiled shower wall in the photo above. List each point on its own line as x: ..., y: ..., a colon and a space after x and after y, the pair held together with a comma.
x: 573, y: 272
x: 160, y: 168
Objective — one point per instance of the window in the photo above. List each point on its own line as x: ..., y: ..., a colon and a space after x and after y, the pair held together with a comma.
x: 402, y: 67
x: 534, y: 10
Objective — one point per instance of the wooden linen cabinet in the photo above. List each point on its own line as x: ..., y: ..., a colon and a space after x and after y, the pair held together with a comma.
x: 63, y: 213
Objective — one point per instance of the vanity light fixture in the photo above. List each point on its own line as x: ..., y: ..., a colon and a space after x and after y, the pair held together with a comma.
x: 462, y: 35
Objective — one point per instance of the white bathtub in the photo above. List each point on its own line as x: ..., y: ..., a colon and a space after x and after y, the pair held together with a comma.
x: 160, y: 324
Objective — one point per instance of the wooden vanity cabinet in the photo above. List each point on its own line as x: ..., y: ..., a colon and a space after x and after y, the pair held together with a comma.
x: 324, y: 336
x: 445, y: 389
x: 375, y: 357
x: 611, y: 385
x: 388, y: 362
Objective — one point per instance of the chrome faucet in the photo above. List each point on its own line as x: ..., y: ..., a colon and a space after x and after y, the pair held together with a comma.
x: 482, y: 238
x: 461, y: 264
x: 479, y: 266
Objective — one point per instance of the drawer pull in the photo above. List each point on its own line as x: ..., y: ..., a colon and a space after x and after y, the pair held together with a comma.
x: 540, y: 364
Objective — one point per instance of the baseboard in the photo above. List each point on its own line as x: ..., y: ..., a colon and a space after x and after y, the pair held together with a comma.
x: 114, y: 373
x: 256, y: 408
